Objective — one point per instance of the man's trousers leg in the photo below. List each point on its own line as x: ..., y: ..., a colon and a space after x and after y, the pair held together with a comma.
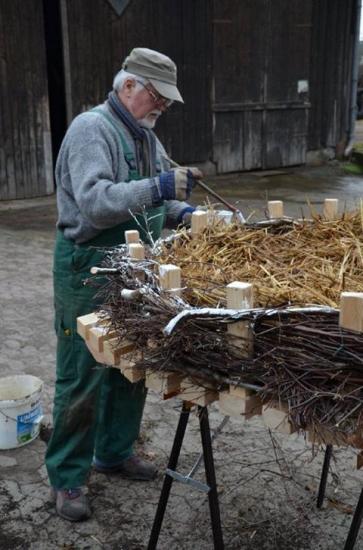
x: 120, y: 413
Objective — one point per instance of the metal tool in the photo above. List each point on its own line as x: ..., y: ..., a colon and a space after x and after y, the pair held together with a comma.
x: 237, y: 213
x: 188, y: 479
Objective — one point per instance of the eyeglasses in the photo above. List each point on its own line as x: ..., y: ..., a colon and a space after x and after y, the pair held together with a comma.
x: 157, y: 98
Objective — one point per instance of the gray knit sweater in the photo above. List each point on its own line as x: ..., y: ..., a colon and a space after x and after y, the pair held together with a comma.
x: 91, y: 174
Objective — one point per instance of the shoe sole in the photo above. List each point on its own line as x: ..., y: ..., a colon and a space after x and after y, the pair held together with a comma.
x: 69, y: 518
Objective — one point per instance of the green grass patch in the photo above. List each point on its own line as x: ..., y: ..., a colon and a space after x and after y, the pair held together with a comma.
x: 353, y: 168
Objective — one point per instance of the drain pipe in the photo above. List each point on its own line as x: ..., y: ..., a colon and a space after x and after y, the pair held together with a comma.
x: 354, y: 81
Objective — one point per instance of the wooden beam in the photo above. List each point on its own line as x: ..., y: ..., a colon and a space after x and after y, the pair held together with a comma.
x: 351, y: 311
x: 330, y: 209
x: 198, y: 393
x: 240, y: 403
x: 113, y: 349
x: 129, y: 369
x: 163, y: 382
x: 85, y: 323
x: 97, y: 335
x: 275, y: 417
x: 275, y: 209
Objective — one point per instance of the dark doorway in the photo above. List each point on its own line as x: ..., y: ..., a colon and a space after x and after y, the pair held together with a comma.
x: 55, y: 71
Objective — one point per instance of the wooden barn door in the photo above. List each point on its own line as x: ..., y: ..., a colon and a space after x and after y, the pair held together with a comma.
x: 261, y: 73
x: 25, y: 141
x: 97, y: 37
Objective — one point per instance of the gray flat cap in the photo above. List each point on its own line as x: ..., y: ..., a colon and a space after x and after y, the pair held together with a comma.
x: 158, y: 68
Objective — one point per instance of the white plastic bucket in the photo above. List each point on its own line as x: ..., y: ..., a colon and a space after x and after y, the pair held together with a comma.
x: 20, y: 410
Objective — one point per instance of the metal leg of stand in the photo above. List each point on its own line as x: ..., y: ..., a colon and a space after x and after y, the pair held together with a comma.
x: 324, y: 475
x: 355, y: 525
x: 173, y: 461
x: 211, y: 478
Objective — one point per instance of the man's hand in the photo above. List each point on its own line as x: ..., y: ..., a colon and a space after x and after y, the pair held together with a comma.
x: 178, y: 183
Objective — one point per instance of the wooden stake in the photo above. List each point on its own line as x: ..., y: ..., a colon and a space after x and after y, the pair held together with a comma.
x: 199, y: 221
x: 275, y: 209
x: 132, y: 236
x: 240, y: 296
x: 137, y: 251
x: 330, y: 209
x: 170, y: 278
x: 351, y: 311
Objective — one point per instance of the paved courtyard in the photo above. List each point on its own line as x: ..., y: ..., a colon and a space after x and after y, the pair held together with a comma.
x: 267, y: 482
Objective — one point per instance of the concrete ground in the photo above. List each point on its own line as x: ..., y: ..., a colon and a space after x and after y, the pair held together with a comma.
x: 267, y: 482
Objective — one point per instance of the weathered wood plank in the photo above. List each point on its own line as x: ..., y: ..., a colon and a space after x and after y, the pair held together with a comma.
x: 25, y: 152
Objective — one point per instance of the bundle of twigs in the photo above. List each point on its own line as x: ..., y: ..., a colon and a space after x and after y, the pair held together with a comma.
x: 301, y: 356
x: 288, y: 262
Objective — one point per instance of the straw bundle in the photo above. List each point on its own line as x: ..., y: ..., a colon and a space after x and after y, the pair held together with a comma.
x: 288, y: 263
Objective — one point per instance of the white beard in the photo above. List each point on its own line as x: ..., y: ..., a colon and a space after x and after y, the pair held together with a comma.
x: 149, y: 122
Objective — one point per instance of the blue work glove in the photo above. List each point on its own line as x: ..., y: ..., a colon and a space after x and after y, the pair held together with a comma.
x: 177, y: 184
x: 185, y: 216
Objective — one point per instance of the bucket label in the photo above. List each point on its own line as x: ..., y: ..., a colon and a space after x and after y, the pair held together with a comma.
x: 27, y: 425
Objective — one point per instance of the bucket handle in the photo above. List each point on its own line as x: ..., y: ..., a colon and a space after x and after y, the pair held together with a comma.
x: 37, y: 420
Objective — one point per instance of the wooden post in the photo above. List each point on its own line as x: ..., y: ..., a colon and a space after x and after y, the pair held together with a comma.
x: 170, y: 278
x: 351, y: 311
x: 275, y: 209
x: 132, y: 236
x: 240, y: 296
x: 330, y: 209
x: 137, y: 251
x: 199, y: 221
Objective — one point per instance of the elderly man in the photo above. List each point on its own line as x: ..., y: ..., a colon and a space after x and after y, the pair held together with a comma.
x: 110, y: 165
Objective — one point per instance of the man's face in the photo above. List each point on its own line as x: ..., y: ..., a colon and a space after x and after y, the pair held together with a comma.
x: 143, y: 102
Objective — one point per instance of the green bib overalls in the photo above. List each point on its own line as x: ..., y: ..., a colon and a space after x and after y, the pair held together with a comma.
x: 96, y: 409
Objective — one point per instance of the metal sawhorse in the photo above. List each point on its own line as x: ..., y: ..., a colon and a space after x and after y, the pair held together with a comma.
x: 358, y: 514
x: 211, y: 487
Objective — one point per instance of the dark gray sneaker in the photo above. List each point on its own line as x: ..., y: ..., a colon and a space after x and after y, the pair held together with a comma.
x: 71, y: 504
x: 131, y: 468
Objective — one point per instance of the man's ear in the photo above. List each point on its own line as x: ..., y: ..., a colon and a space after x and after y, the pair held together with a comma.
x: 129, y: 84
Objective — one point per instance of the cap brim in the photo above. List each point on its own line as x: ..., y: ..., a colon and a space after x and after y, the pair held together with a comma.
x: 166, y: 90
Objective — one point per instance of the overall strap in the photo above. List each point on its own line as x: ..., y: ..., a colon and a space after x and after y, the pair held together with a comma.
x: 128, y: 153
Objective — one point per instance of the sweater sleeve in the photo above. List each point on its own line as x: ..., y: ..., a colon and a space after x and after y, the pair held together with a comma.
x: 93, y: 164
